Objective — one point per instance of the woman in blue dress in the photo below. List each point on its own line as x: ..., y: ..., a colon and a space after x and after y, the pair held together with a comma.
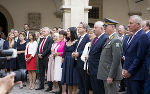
x: 69, y: 75
x: 11, y: 62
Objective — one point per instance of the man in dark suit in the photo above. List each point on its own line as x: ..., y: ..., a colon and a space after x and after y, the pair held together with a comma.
x: 134, y: 68
x: 4, y: 45
x: 26, y: 31
x: 44, y: 50
x: 82, y: 29
x: 16, y: 33
x: 146, y: 28
x: 94, y: 56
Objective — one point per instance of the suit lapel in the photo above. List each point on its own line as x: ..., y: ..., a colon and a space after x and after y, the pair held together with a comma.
x: 99, y: 40
x: 92, y: 46
x: 135, y: 38
x: 132, y: 41
x: 82, y: 40
x: 107, y: 41
x: 148, y: 34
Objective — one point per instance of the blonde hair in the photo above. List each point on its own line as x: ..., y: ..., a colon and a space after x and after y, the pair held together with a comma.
x: 22, y: 33
x: 37, y: 34
x: 90, y: 30
x: 57, y: 36
x: 11, y: 41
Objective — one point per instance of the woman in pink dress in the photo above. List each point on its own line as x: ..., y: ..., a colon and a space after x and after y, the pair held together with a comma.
x: 51, y: 64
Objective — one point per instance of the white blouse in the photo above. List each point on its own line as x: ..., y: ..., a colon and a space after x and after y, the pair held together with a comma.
x: 84, y: 54
x: 32, y: 48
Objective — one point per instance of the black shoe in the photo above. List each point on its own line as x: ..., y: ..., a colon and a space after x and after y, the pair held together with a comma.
x: 122, y: 90
x: 49, y: 89
x: 24, y: 85
x: 58, y: 92
x: 40, y: 88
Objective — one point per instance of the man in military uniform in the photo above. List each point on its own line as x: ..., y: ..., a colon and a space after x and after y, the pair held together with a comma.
x: 109, y: 69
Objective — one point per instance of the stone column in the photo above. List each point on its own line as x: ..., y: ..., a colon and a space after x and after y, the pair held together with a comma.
x: 148, y: 8
x: 75, y: 11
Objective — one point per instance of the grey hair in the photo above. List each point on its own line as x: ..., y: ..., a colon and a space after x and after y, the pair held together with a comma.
x: 16, y: 30
x: 122, y: 26
x: 147, y: 23
x: 57, y: 36
x: 85, y: 26
x: 137, y: 19
x: 47, y: 29
x: 100, y: 24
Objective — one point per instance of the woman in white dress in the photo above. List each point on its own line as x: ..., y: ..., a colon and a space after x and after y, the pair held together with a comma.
x: 51, y: 63
x: 58, y: 52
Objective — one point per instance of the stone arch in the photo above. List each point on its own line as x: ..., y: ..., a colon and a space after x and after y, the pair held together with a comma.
x: 58, y: 13
x: 8, y: 17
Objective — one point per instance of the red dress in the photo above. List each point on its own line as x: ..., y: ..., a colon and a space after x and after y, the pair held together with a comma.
x: 32, y: 64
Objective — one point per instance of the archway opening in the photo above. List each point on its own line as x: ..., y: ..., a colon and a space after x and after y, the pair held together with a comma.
x: 3, y: 24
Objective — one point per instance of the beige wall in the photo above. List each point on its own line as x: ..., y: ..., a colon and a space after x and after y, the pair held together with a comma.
x: 19, y: 10
x: 144, y: 5
x: 119, y: 9
x: 116, y: 9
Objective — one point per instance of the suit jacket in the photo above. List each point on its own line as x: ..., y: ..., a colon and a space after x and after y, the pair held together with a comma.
x: 80, y: 63
x: 94, y: 54
x: 6, y: 45
x: 135, y: 56
x: 46, y: 48
x: 110, y: 60
x: 148, y: 54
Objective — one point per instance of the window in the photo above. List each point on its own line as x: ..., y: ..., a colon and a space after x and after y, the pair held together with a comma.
x: 94, y: 13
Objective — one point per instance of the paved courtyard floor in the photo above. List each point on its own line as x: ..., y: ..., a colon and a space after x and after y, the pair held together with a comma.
x: 25, y: 90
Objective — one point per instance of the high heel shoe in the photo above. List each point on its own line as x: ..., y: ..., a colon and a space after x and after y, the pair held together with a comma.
x: 24, y: 85
x: 32, y: 86
x: 20, y: 87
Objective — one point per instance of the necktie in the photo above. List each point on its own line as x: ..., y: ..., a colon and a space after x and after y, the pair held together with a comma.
x: 42, y: 45
x: 96, y: 40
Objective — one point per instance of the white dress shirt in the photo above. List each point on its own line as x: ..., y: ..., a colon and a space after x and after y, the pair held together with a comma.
x: 84, y: 54
x: 32, y: 48
x: 27, y: 34
x: 16, y: 39
x: 43, y: 44
x: 147, y: 31
x: 80, y: 41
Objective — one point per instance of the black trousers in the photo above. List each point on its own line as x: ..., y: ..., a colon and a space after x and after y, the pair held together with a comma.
x: 135, y: 86
x: 97, y: 85
x: 122, y: 84
x: 81, y: 79
x: 43, y: 65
